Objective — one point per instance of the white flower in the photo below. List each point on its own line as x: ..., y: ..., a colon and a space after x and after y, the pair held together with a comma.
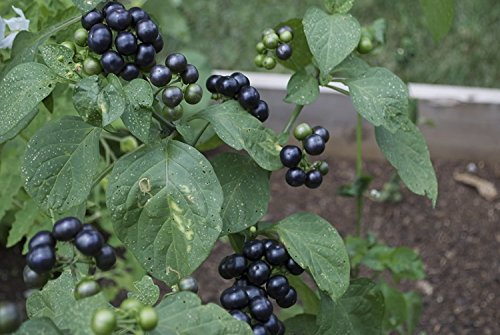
x: 15, y: 24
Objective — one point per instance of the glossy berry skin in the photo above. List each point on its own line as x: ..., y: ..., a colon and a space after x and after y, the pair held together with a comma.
x: 103, y: 321
x: 365, y: 45
x: 295, y: 177
x: 106, y: 258
x: 271, y: 40
x: 236, y: 265
x: 253, y: 250
x: 80, y: 36
x: 272, y: 325
x: 284, y: 51
x: 160, y: 75
x: 33, y: 279
x: 91, y: 18
x: 254, y: 292
x: 100, y: 38
x: 126, y: 43
x: 268, y: 243
x: 89, y: 242
x: 66, y: 229
x: 261, y: 112
x: 130, y: 72
x: 277, y: 287
x: 259, y: 329
x: 119, y: 19
x: 276, y: 254
x: 137, y: 14
x: 173, y: 114
x: 324, y: 168
x: 86, y: 288
x: 211, y: 83
x: 286, y: 37
x: 281, y: 330
x: 145, y: 55
x: 188, y: 284
x: 258, y: 272
x: 249, y: 97
x: 41, y: 259
x: 314, y: 144
x: 190, y: 75
x: 176, y: 62
x: 158, y: 44
x: 147, y: 31
x: 234, y: 298
x: 147, y: 318
x: 43, y: 237
x: 241, y: 79
x: 91, y: 66
x: 111, y: 6
x: 259, y: 60
x: 302, y: 131
x: 227, y: 86
x: 289, y: 300
x: 261, y: 309
x: 241, y: 316
x: 282, y: 29
x: 112, y: 62
x: 172, y: 96
x: 10, y: 318
x: 314, y: 179
x: 323, y: 132
x: 293, y: 267
x: 290, y: 156
x: 241, y: 282
x: 269, y: 63
x: 193, y: 94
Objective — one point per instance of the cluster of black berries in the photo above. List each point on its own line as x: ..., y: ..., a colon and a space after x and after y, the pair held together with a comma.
x: 237, y: 86
x: 255, y: 283
x: 300, y: 170
x: 127, y: 42
x: 274, y: 43
x: 41, y: 258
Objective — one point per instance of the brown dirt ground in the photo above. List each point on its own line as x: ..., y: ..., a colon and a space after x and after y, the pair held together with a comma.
x: 459, y: 243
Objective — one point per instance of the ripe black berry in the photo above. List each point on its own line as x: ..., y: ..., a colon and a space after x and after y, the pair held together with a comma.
x: 254, y: 292
x: 241, y: 79
x: 241, y: 316
x: 126, y: 43
x: 284, y: 51
x: 276, y: 254
x: 261, y: 309
x: 314, y: 144
x: 277, y: 287
x: 112, y: 62
x: 66, y: 228
x: 106, y: 258
x: 92, y: 18
x: 290, y: 156
x: 261, y: 112
x: 268, y: 243
x: 321, y: 131
x: 41, y: 259
x: 248, y: 97
x: 241, y: 282
x: 147, y: 31
x: 111, y: 6
x: 235, y: 265
x: 227, y: 86
x: 137, y: 14
x: 295, y: 177
x: 193, y: 94
x: 43, y: 237
x: 212, y: 83
x: 158, y: 44
x: 160, y: 75
x: 33, y: 279
x: 314, y: 179
x: 289, y: 300
x: 89, y: 242
x: 119, y: 19
x: 100, y: 38
x: 172, y: 96
x: 259, y: 329
x: 176, y: 62
x: 145, y: 55
x: 282, y: 29
x: 258, y: 272
x: 253, y: 250
x: 293, y: 267
x: 130, y: 72
x: 272, y: 325
x: 234, y: 298
x: 190, y: 75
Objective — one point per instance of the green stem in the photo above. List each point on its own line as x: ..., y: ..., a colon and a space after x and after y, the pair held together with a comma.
x: 293, y: 118
x: 338, y: 89
x: 164, y: 122
x: 103, y: 174
x: 359, y: 173
x: 200, y: 134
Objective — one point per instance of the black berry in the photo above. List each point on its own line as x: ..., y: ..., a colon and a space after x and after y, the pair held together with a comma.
x: 261, y: 112
x: 254, y: 292
x: 282, y: 29
x: 172, y: 96
x: 276, y: 254
x: 248, y: 97
x: 212, y: 83
x: 289, y: 299
x: 190, y: 75
x: 258, y: 272
x: 321, y: 131
x: 284, y: 51
x: 259, y: 329
x: 43, y: 237
x: 272, y: 325
x: 295, y: 177
x: 106, y: 258
x: 241, y: 282
x: 100, y: 38
x: 241, y: 79
x: 145, y: 55
x: 160, y: 75
x: 290, y: 156
x: 158, y: 44
x: 66, y: 229
x: 277, y: 287
x: 314, y: 179
x: 111, y: 6
x: 119, y: 19
x: 234, y: 298
x: 130, y: 72
x: 89, y: 242
x: 241, y: 316
x: 137, y: 14
x: 176, y: 62
x: 41, y: 259
x: 253, y: 250
x: 126, y: 43
x: 314, y: 144
x: 293, y: 267
x: 112, y: 62
x: 227, y: 86
x: 92, y: 18
x: 236, y: 265
x: 261, y: 309
x: 147, y: 31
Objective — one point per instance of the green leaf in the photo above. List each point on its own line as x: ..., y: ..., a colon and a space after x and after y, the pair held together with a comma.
x: 85, y: 100
x: 308, y: 297
x: 316, y: 246
x: 380, y: 97
x: 59, y: 59
x: 339, y: 6
x: 302, y: 324
x: 183, y: 314
x: 111, y: 100
x: 137, y: 117
x: 42, y: 326
x: 406, y: 264
x: 165, y: 202
x: 331, y: 37
x: 56, y: 301
x: 351, y: 67
x: 86, y: 5
x: 407, y: 151
x: 21, y: 90
x: 413, y: 302
x: 359, y: 311
x: 438, y: 16
x: 240, y: 130
x: 10, y: 165
x: 239, y: 177
x: 402, y: 310
x: 301, y: 56
x: 60, y: 162
x: 146, y: 291
x: 302, y: 89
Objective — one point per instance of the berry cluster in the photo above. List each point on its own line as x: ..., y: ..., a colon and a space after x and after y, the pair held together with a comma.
x: 274, y: 43
x: 255, y: 283
x: 300, y: 170
x: 127, y: 40
x: 237, y: 87
x: 41, y: 258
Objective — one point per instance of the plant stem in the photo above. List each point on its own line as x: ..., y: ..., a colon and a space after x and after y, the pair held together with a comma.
x: 103, y: 174
x: 293, y: 118
x: 164, y: 122
x: 359, y: 173
x: 338, y: 89
x: 199, y: 135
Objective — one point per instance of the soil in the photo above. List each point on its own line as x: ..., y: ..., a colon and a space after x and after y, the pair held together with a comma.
x: 458, y: 241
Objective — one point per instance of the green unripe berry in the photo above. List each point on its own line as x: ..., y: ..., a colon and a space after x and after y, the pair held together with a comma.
x: 92, y: 66
x: 103, y: 322
x: 69, y: 45
x: 128, y: 144
x: 268, y: 31
x: 80, y: 37
x: 271, y: 41
x: 286, y: 36
x: 302, y: 131
x: 131, y: 304
x: 173, y: 114
x: 148, y: 318
x: 86, y: 288
x: 259, y: 60
x: 323, y: 168
x: 261, y: 48
x: 193, y: 94
x: 365, y: 45
x: 269, y: 63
